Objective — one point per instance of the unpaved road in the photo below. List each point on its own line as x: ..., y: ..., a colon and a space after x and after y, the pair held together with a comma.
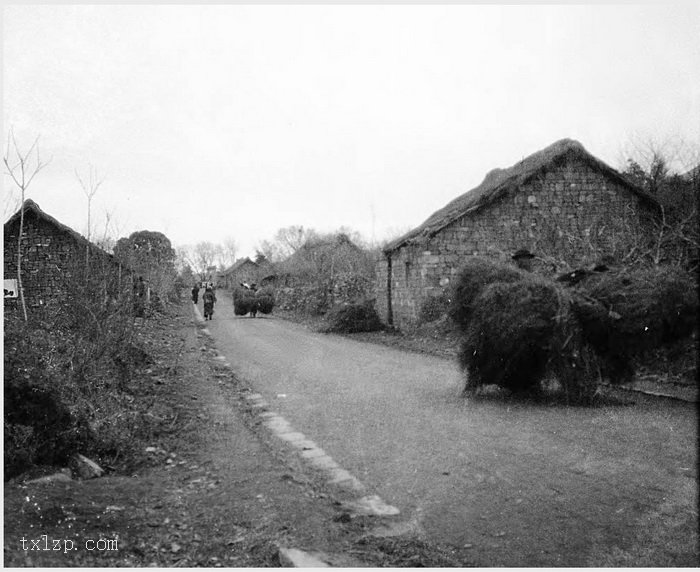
x: 517, y: 484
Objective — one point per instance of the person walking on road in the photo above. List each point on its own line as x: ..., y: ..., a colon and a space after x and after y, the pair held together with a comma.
x: 209, y: 298
x: 195, y: 293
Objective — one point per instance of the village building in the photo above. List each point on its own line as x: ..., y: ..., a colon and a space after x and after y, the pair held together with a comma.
x: 54, y: 256
x: 247, y: 271
x: 558, y: 209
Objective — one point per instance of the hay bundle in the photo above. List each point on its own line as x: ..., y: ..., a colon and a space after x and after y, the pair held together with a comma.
x: 353, y: 318
x: 655, y: 306
x: 265, y: 300
x: 243, y: 301
x: 520, y: 330
x: 628, y: 313
x: 475, y: 275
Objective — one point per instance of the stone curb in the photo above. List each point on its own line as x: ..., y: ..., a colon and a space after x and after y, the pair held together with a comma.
x: 295, y: 558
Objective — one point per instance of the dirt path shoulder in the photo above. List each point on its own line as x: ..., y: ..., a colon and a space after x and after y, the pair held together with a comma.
x: 212, y: 490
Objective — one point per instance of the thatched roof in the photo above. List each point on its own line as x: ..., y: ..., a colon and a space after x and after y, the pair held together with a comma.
x: 236, y: 265
x: 500, y: 181
x: 31, y: 208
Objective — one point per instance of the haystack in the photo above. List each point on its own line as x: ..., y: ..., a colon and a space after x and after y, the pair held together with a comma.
x: 475, y: 275
x: 522, y: 330
x: 265, y: 300
x: 243, y: 301
x: 627, y: 313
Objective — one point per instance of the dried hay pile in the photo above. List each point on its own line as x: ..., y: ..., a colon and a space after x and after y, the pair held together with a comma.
x: 243, y: 301
x: 628, y: 313
x: 519, y: 328
x: 246, y: 301
x: 519, y: 332
x: 352, y: 318
x: 475, y: 275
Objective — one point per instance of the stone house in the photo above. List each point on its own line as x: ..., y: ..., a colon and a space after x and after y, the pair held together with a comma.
x: 246, y: 270
x: 53, y: 257
x: 562, y: 204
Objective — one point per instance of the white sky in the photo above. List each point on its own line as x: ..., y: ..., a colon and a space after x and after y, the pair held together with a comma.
x: 210, y: 121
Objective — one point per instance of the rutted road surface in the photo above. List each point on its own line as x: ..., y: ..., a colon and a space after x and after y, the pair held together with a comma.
x: 517, y: 484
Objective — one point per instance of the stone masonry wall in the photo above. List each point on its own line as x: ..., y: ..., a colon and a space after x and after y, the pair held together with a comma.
x: 48, y: 257
x: 567, y: 217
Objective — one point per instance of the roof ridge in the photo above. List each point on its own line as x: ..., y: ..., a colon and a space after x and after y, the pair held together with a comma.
x: 500, y: 180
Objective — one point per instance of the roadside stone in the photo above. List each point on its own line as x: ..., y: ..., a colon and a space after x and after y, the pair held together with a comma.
x: 60, y: 477
x: 295, y: 558
x: 85, y: 468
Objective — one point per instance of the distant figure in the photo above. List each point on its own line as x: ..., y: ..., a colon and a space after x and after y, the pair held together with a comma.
x: 139, y: 295
x: 209, y: 298
x: 523, y: 259
x: 195, y: 293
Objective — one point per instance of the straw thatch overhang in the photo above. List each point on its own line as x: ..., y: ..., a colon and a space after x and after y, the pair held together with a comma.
x: 500, y: 182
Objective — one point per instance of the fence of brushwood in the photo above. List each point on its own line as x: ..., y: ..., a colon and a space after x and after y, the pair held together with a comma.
x: 519, y: 329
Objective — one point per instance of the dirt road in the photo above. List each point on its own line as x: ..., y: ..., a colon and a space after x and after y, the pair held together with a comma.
x: 515, y: 484
x: 205, y: 487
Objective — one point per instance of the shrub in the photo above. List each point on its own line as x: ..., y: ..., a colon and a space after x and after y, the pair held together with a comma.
x: 475, y: 275
x: 433, y: 308
x: 73, y: 356
x: 39, y: 425
x: 353, y: 318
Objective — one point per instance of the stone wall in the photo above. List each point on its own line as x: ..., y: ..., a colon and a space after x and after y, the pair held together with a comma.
x: 247, y: 272
x: 568, y: 217
x: 51, y: 258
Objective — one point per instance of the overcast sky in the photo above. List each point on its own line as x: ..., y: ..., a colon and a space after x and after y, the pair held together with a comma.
x: 215, y: 121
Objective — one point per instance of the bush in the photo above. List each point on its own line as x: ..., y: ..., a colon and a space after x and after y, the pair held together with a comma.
x: 353, y: 318
x: 475, y: 275
x: 433, y: 308
x: 39, y: 426
x: 61, y: 367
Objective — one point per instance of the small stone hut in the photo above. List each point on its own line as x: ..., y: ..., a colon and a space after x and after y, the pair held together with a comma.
x: 562, y: 204
x: 53, y: 255
x: 249, y: 271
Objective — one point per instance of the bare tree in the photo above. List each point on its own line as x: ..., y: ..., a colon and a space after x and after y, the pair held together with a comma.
x: 669, y: 171
x: 200, y: 257
x: 89, y: 186
x: 292, y: 238
x: 228, y: 252
x: 22, y: 167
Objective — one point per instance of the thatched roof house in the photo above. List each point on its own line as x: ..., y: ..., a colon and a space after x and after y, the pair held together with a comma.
x: 53, y: 254
x: 249, y: 271
x: 561, y: 203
